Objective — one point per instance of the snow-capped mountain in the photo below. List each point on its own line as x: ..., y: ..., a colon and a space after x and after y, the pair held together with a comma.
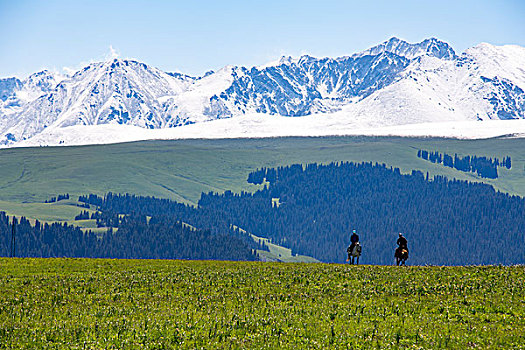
x: 308, y: 85
x: 393, y: 83
x: 8, y: 87
x: 16, y: 94
x: 428, y: 47
x: 117, y: 91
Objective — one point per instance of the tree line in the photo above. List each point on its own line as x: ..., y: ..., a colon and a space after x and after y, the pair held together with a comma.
x: 57, y: 198
x: 136, y: 237
x: 482, y: 166
x: 446, y: 221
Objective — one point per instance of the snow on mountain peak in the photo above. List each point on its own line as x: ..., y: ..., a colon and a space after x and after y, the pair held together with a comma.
x: 506, y: 61
x: 286, y: 60
x: 42, y: 81
x: 431, y: 47
x: 116, y: 91
x: 392, y: 83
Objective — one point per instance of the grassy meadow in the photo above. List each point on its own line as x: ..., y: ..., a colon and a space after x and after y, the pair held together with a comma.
x: 183, y: 169
x: 165, y: 304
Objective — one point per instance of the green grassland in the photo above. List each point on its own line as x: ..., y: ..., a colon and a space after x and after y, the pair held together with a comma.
x: 276, y: 252
x: 183, y: 169
x: 166, y: 304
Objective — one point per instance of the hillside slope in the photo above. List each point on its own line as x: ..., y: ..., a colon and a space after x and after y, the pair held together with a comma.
x: 181, y: 170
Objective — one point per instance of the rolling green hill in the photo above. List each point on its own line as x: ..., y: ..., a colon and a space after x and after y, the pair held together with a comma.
x: 182, y: 169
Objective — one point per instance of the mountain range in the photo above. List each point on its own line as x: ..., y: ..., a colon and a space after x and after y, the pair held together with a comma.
x: 394, y: 83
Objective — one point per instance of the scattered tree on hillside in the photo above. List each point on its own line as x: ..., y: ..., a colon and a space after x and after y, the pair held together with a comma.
x: 482, y: 166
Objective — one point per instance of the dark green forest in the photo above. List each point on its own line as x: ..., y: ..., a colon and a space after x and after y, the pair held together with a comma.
x: 447, y: 222
x: 312, y: 210
x: 136, y: 238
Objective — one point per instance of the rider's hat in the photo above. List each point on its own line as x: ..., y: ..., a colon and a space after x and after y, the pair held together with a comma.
x: 400, y: 234
x: 353, y: 231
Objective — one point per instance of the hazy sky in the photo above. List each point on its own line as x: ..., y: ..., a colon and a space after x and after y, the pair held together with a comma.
x: 196, y: 36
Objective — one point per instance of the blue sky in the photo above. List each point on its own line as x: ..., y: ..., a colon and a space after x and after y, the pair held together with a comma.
x: 196, y: 36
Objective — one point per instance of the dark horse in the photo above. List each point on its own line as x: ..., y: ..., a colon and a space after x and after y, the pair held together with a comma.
x: 401, y: 255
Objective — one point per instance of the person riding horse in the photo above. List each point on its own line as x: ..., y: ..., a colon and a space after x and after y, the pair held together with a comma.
x: 401, y: 253
x: 354, y: 245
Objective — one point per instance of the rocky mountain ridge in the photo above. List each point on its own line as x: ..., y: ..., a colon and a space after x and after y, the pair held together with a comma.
x: 393, y: 83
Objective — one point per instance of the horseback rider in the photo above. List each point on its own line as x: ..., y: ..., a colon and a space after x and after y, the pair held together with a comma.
x: 402, y: 242
x: 353, y: 240
x: 354, y: 244
x: 401, y: 253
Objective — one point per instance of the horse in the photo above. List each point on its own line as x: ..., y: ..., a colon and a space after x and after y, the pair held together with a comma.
x: 401, y: 256
x: 354, y: 253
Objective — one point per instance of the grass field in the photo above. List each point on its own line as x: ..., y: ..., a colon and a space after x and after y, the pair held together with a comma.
x: 183, y: 169
x: 162, y: 304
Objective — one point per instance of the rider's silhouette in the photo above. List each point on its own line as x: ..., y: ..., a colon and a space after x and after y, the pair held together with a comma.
x: 353, y: 240
x: 402, y: 242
